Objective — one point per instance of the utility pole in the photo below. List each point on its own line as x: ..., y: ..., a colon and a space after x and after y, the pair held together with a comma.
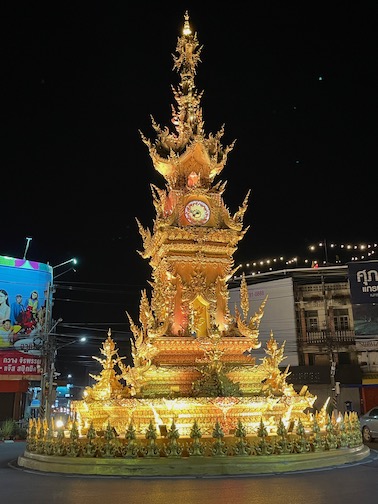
x: 325, y: 252
x: 49, y: 347
x: 45, y: 350
x: 47, y: 378
x: 330, y: 345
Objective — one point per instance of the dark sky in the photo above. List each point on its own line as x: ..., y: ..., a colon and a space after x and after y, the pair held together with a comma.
x: 295, y: 83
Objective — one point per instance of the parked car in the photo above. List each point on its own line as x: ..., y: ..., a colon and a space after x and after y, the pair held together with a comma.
x: 369, y: 424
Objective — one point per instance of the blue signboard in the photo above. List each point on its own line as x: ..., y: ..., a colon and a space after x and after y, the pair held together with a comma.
x: 25, y: 300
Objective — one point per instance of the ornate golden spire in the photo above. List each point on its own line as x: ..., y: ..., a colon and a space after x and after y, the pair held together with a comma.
x: 171, y: 150
x: 187, y: 118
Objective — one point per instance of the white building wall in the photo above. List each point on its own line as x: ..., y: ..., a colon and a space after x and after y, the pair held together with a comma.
x: 279, y: 315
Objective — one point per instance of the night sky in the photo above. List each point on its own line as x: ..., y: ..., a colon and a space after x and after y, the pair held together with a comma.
x: 295, y: 83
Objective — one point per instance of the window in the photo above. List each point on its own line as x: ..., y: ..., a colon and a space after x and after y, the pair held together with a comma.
x: 312, y: 321
x: 341, y: 319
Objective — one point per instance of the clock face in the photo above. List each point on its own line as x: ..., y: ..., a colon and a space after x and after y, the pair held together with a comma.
x: 197, y: 212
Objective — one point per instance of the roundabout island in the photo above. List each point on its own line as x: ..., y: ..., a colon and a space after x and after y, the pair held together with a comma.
x: 194, y: 403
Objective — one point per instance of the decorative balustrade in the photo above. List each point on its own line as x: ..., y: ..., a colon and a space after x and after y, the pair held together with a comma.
x: 331, y: 434
x: 346, y: 337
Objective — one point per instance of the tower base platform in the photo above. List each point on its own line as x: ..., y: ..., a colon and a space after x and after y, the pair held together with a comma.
x: 193, y: 466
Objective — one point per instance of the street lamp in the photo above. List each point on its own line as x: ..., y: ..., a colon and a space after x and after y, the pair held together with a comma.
x: 50, y: 292
x: 72, y: 260
x: 49, y: 348
x: 83, y: 339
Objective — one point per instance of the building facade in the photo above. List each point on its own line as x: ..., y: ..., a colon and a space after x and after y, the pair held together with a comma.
x: 323, y: 348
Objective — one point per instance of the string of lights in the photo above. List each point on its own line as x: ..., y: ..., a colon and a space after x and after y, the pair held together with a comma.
x: 318, y: 254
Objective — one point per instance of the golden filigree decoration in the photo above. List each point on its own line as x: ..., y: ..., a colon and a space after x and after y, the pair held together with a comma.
x: 108, y: 384
x: 275, y: 381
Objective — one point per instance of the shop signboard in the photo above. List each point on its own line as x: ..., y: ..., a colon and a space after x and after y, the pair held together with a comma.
x: 363, y: 281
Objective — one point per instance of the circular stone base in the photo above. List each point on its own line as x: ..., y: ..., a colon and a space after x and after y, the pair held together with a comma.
x: 192, y: 466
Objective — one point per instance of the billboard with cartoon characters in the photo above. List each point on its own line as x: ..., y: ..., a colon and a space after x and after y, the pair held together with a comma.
x: 25, y: 301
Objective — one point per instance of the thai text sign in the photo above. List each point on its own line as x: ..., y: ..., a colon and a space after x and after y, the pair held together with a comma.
x: 13, y: 362
x: 363, y: 280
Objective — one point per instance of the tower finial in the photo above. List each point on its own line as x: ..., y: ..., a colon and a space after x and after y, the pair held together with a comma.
x: 186, y: 31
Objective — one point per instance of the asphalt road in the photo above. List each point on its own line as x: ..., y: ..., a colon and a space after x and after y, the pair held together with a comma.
x: 347, y: 484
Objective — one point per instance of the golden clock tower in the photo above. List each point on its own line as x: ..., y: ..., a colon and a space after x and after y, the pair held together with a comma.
x: 194, y: 237
x: 192, y: 359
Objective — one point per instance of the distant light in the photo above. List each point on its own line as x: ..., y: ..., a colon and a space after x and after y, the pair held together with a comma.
x: 320, y: 78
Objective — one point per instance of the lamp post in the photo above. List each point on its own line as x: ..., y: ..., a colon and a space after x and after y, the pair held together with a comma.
x: 49, y: 347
